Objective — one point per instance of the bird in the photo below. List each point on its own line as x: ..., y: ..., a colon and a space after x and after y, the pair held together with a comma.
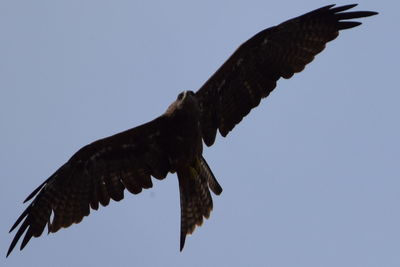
x: 173, y: 142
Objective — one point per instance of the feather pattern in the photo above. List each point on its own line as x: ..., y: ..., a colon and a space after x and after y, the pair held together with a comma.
x: 95, y: 174
x: 251, y: 73
x: 195, y: 197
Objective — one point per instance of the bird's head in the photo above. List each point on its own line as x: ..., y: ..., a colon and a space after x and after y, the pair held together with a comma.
x: 185, y: 100
x: 186, y: 96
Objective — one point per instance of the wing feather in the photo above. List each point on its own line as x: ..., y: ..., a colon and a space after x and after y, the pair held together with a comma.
x: 95, y: 174
x: 251, y: 73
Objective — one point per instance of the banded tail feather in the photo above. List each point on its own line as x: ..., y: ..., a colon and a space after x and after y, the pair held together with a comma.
x: 195, y: 183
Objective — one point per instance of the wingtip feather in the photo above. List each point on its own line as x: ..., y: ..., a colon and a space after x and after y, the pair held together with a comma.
x: 9, y: 251
x: 34, y: 193
x: 17, y: 236
x: 20, y: 218
x: 348, y: 25
x: 26, y: 239
x: 343, y: 8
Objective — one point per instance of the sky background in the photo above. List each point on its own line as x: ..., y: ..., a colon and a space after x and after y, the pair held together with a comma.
x: 311, y: 177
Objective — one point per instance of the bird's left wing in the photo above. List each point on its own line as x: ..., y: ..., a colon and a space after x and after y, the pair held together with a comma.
x: 95, y: 174
x: 251, y: 73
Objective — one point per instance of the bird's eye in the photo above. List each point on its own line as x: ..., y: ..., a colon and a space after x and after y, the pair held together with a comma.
x: 180, y: 96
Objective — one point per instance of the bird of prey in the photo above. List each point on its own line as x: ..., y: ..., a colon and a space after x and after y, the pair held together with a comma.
x: 173, y: 142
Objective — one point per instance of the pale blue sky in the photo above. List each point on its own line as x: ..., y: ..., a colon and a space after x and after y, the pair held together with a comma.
x: 310, y: 178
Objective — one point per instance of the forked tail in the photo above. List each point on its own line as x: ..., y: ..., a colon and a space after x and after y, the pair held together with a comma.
x: 196, y: 201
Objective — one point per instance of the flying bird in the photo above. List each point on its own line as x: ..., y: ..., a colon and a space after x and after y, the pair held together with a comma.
x: 173, y: 142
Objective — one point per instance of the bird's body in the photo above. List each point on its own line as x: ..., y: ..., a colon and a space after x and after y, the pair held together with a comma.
x: 173, y: 142
x: 187, y: 142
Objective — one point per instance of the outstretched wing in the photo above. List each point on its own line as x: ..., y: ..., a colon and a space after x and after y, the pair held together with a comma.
x: 251, y: 73
x: 95, y: 174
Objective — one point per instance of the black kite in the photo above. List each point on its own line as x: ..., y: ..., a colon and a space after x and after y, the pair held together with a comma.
x: 173, y: 142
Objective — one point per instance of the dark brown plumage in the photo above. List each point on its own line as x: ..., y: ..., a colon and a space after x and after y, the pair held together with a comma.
x: 172, y: 142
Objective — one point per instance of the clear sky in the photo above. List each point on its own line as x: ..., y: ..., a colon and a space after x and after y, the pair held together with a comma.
x: 311, y: 177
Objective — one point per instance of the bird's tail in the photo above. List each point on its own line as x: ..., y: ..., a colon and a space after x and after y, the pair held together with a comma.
x: 196, y: 201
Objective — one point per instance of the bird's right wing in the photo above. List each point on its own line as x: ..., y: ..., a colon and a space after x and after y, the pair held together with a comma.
x: 95, y: 174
